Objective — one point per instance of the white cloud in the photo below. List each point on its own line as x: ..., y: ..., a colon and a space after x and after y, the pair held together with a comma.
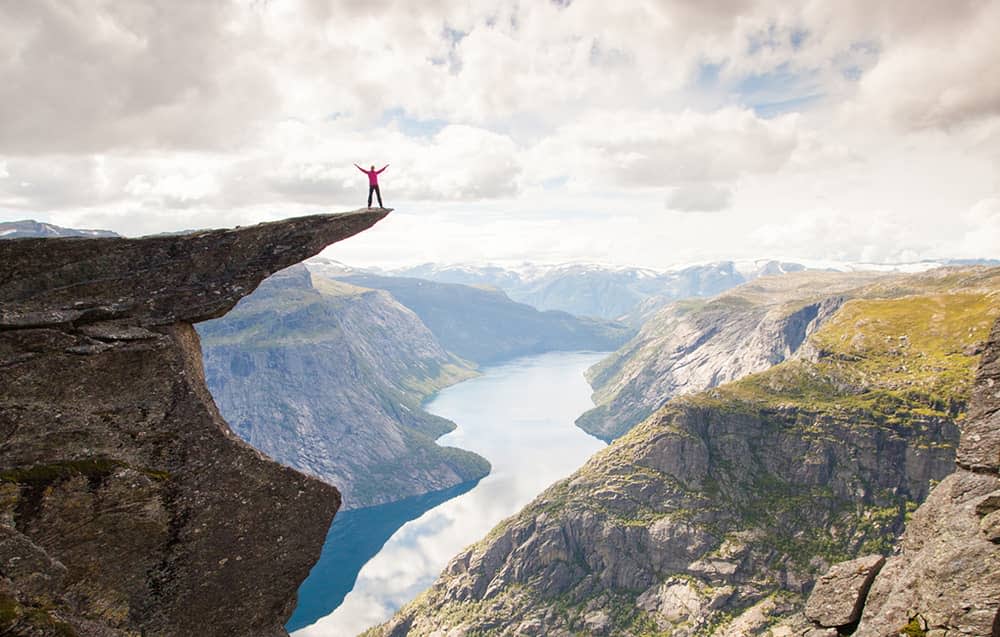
x: 456, y: 163
x: 556, y: 129
x: 981, y: 230
x: 652, y: 149
x: 881, y: 236
x: 942, y: 77
x: 860, y: 237
x: 39, y: 184
x: 174, y: 189
x: 80, y: 77
x: 700, y: 198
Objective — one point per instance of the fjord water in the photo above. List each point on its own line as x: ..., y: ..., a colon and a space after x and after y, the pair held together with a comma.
x: 519, y: 416
x: 354, y: 538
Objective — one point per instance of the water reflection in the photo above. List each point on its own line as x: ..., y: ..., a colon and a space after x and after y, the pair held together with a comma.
x: 520, y: 417
x: 354, y: 538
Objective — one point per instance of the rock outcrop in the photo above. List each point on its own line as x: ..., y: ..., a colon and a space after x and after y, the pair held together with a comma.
x: 839, y: 596
x: 946, y: 580
x: 128, y: 506
x: 330, y: 379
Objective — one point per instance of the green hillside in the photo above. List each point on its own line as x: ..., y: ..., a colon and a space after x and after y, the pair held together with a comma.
x: 719, y: 510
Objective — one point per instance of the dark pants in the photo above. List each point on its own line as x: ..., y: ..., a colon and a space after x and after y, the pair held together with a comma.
x: 374, y: 189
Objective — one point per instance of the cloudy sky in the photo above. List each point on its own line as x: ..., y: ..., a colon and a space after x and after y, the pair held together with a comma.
x: 665, y: 132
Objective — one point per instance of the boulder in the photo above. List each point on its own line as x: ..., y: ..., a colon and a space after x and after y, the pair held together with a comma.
x: 839, y: 596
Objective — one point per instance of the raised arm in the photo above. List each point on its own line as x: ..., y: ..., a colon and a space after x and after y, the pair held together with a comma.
x: 361, y: 169
x: 381, y: 169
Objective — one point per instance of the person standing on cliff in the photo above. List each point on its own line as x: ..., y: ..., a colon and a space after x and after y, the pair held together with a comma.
x: 373, y: 183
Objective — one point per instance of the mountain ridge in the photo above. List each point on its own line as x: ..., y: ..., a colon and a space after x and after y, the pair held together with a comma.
x: 31, y: 228
x: 485, y: 326
x: 692, y: 345
x: 716, y: 514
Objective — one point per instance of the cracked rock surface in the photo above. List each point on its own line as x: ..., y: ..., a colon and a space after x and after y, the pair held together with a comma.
x: 127, y: 506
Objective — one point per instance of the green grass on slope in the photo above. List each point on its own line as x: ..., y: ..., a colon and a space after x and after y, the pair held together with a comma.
x: 899, y: 305
x: 910, y: 355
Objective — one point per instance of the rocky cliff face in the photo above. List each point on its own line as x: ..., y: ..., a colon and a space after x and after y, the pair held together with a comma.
x: 694, y: 345
x: 329, y: 379
x: 716, y: 514
x: 946, y: 579
x: 128, y: 506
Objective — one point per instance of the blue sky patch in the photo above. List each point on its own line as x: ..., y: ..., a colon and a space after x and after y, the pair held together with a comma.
x: 707, y: 75
x: 779, y: 91
x: 856, y: 60
x: 453, y: 35
x: 411, y: 126
x: 768, y: 110
x: 555, y: 183
x: 797, y: 38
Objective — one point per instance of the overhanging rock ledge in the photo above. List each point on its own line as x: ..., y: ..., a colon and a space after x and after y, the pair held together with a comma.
x: 127, y: 506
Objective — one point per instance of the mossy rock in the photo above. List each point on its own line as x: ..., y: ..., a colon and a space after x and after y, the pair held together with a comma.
x: 95, y: 469
x: 913, y: 629
x: 18, y: 619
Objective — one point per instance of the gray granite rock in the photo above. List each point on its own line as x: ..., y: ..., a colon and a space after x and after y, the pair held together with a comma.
x: 979, y: 449
x: 988, y: 504
x: 947, y: 572
x: 990, y: 527
x: 839, y: 595
x: 156, y: 280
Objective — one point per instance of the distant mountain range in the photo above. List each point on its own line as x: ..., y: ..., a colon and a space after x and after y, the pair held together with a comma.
x: 32, y: 228
x: 628, y: 294
x: 601, y: 291
x: 482, y: 324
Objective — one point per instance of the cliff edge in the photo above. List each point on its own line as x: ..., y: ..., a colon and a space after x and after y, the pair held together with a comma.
x: 127, y: 506
x: 944, y: 582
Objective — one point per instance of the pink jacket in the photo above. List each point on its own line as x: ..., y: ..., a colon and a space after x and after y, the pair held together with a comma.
x: 372, y: 174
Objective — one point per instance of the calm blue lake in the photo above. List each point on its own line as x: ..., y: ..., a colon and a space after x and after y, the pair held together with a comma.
x: 520, y: 417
